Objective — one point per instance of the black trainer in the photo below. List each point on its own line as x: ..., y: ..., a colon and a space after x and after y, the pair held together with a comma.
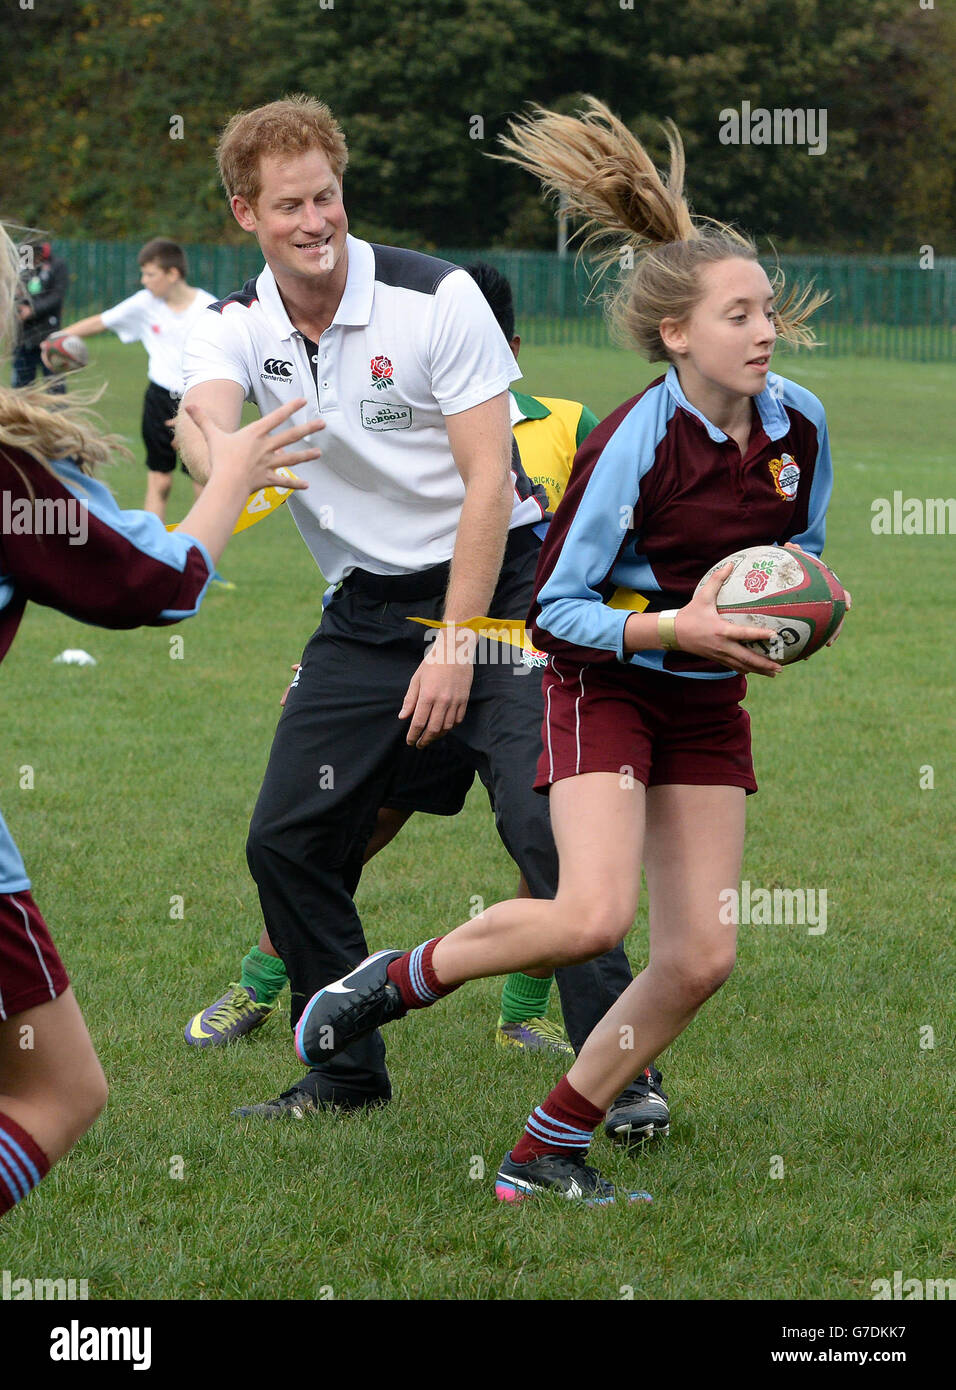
x: 348, y: 1009
x: 570, y: 1177
x: 299, y: 1102
x: 640, y: 1111
x: 295, y: 1102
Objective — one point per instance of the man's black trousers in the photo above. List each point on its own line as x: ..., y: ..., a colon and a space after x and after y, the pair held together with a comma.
x: 330, y: 768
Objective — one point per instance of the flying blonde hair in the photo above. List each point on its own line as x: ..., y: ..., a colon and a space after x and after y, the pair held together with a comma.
x: 632, y: 215
x: 28, y: 419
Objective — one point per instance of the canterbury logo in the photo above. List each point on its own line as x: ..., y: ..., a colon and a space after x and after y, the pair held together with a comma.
x: 275, y: 369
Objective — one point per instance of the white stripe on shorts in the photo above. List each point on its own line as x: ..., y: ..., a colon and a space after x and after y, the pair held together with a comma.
x: 547, y: 720
x: 577, y: 720
x: 33, y: 943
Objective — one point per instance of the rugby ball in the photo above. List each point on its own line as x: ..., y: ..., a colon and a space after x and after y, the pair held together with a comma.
x: 788, y: 590
x: 66, y: 352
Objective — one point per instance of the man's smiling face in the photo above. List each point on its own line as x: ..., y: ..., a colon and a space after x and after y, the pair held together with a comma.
x: 299, y: 217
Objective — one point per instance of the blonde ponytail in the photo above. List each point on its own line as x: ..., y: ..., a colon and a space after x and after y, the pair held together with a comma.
x: 632, y: 216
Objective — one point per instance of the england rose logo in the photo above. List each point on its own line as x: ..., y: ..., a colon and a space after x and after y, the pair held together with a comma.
x: 755, y: 582
x: 381, y: 372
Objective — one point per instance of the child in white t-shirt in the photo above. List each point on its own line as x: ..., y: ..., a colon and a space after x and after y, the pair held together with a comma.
x: 160, y: 316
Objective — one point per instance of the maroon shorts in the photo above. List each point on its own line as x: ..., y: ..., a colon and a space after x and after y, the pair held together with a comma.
x: 31, y: 971
x: 657, y: 727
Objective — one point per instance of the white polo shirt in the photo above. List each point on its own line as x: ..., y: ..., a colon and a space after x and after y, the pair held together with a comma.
x: 149, y: 320
x: 413, y: 340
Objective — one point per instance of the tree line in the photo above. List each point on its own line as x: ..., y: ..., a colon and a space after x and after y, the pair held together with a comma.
x: 111, y: 112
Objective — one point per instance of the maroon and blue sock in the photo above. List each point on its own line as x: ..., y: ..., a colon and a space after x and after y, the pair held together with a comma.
x: 22, y: 1163
x: 563, y: 1125
x: 415, y: 977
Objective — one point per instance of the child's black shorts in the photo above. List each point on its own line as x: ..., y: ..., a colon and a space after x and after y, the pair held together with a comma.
x: 159, y: 405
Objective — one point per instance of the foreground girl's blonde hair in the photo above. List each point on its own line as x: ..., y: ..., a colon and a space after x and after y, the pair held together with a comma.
x: 631, y: 215
x: 28, y: 418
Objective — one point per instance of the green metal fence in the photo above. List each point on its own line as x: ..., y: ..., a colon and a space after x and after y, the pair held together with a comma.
x: 879, y: 307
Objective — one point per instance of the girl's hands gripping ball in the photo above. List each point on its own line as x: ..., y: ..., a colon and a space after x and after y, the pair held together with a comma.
x: 786, y: 590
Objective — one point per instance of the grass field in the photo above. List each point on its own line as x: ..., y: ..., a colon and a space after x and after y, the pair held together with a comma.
x: 146, y: 770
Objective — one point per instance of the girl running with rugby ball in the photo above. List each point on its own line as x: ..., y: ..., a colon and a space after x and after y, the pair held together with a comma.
x: 646, y: 749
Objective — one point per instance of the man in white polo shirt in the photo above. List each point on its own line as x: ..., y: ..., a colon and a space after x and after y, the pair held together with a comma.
x: 419, y: 505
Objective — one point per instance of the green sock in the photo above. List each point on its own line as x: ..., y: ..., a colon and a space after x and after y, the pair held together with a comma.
x: 524, y: 997
x: 264, y: 974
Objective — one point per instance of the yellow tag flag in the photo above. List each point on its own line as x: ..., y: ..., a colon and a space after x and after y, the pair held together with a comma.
x: 260, y: 505
x: 514, y: 632
x: 495, y: 629
x: 508, y: 631
x: 628, y: 599
x: 263, y: 503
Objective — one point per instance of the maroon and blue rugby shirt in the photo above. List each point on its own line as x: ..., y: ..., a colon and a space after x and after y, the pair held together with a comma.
x: 657, y: 495
x: 126, y: 571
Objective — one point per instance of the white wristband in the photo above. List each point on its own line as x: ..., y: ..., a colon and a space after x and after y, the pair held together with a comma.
x: 667, y: 631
